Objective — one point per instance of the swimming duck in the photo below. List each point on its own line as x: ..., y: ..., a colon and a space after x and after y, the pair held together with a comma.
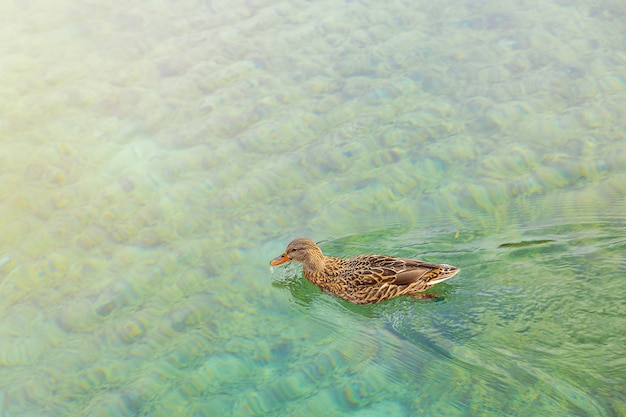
x: 365, y: 279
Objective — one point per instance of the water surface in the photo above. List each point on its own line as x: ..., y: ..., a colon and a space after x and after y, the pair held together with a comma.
x: 155, y: 156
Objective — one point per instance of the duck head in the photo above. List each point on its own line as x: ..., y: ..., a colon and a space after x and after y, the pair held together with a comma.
x: 301, y: 250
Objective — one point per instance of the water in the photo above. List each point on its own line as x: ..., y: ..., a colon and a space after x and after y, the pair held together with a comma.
x: 156, y: 156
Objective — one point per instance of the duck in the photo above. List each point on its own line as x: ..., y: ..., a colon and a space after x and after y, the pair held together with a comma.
x: 365, y: 279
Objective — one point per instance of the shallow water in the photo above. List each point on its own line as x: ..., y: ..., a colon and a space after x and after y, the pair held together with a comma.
x: 154, y: 157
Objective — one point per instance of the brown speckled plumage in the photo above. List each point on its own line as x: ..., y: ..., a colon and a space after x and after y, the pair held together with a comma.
x: 364, y: 279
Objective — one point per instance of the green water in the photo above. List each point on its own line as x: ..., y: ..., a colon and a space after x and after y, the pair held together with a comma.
x: 155, y: 156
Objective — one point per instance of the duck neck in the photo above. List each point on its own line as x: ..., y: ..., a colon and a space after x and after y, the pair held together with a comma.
x: 314, y: 264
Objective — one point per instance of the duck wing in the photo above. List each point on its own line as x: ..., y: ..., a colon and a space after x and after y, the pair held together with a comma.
x: 380, y: 269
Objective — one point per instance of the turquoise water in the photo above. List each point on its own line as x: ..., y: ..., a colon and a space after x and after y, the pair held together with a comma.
x: 155, y: 156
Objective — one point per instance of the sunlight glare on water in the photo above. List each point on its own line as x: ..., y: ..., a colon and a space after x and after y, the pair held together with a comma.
x: 154, y: 158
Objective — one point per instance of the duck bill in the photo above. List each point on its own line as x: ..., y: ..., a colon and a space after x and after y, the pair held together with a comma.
x: 280, y: 260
